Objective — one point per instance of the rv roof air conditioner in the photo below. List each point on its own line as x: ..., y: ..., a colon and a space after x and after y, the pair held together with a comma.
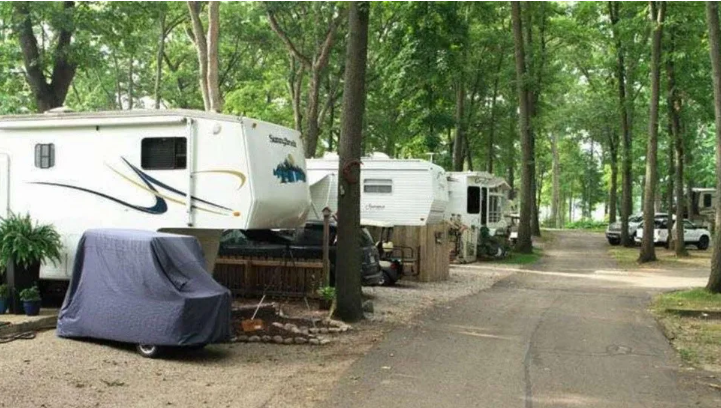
x: 379, y: 155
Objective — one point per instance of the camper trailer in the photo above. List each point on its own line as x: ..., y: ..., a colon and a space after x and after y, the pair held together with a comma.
x: 476, y: 199
x: 703, y: 206
x: 187, y: 172
x: 403, y: 192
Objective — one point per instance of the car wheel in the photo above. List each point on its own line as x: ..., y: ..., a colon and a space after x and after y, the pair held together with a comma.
x: 148, y: 351
x: 382, y: 280
x: 614, y: 242
x: 197, y: 347
x: 703, y: 243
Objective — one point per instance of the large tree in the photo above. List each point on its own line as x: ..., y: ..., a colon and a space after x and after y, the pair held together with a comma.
x: 348, y: 285
x: 648, y: 253
x: 207, y: 49
x: 524, y: 245
x: 714, y: 281
x: 312, y: 58
x: 49, y: 92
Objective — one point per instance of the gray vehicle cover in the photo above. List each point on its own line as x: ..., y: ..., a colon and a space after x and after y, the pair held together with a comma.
x: 144, y: 287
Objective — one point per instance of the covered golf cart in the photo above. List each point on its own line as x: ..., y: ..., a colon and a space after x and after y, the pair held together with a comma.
x: 145, y: 288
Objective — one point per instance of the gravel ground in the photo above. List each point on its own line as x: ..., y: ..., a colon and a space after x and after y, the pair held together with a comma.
x: 52, y: 372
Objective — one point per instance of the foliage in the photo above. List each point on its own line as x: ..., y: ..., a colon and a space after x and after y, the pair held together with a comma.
x: 27, y: 242
x: 692, y: 299
x: 326, y: 292
x: 31, y: 294
x: 4, y: 292
x: 586, y: 224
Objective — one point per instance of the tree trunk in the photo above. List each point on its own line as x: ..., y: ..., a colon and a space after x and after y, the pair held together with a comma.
x: 201, y: 47
x: 648, y: 252
x: 626, y: 174
x: 130, y: 83
x: 613, y: 188
x: 556, y: 175
x: 671, y: 177
x: 674, y: 108
x: 159, y: 61
x: 492, y: 131
x: 47, y: 95
x: 458, y: 141
x: 214, y: 98
x: 348, y: 264
x: 714, y: 280
x: 524, y: 244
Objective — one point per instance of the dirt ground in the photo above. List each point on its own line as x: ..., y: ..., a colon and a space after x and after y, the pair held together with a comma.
x: 53, y: 372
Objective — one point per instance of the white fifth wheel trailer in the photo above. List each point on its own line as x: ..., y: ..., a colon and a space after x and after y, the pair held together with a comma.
x: 179, y: 171
x: 402, y: 192
x: 476, y: 199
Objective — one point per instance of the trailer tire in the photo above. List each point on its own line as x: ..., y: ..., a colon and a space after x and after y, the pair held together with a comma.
x: 148, y: 351
x: 703, y: 243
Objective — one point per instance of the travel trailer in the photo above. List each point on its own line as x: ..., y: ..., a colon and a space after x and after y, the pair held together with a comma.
x: 476, y: 199
x: 402, y: 192
x: 188, y: 172
x: 703, y: 206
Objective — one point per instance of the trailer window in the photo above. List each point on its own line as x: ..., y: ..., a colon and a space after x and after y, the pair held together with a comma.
x: 473, y: 200
x: 707, y: 200
x: 163, y: 153
x: 380, y: 186
x: 44, y: 155
x: 494, y: 208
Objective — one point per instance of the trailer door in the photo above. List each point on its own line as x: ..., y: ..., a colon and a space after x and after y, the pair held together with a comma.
x: 4, y: 184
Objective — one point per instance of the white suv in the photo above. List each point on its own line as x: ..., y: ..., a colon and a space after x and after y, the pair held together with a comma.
x: 692, y: 234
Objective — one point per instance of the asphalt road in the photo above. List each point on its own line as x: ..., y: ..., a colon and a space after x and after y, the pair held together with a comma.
x: 572, y: 331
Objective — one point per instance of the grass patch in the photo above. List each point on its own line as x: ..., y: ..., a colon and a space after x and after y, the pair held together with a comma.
x: 693, y: 299
x: 515, y: 258
x: 627, y: 258
x: 697, y: 340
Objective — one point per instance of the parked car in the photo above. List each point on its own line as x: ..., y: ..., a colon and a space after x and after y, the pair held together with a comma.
x: 692, y: 234
x: 305, y: 242
x: 613, y: 231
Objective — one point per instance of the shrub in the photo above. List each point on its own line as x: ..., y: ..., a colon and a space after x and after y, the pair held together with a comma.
x: 30, y: 294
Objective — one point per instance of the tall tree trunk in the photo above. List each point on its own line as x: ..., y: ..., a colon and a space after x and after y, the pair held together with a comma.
x: 671, y: 177
x: 714, y: 280
x: 524, y: 244
x: 556, y: 175
x: 348, y: 285
x: 613, y: 193
x: 130, y: 83
x: 626, y: 171
x: 201, y: 47
x: 458, y: 141
x: 674, y: 108
x: 648, y: 252
x: 492, y: 131
x: 214, y: 98
x: 159, y: 60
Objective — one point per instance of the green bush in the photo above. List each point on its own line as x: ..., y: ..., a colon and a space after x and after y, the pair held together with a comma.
x: 27, y: 242
x: 586, y: 224
x: 4, y: 292
x: 30, y: 294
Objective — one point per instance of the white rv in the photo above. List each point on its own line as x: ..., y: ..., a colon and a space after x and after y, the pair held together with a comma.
x: 402, y: 192
x: 179, y: 171
x: 476, y: 199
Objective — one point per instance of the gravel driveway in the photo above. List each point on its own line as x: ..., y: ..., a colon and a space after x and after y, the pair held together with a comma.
x: 52, y: 372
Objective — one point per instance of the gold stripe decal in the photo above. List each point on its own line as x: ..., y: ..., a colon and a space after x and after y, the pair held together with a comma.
x: 238, y: 174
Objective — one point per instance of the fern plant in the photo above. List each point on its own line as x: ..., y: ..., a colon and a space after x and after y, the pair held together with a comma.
x: 27, y: 242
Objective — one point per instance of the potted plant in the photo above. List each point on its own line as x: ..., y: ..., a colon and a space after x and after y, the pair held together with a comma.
x: 4, y: 298
x: 31, y: 300
x: 327, y: 294
x: 24, y: 245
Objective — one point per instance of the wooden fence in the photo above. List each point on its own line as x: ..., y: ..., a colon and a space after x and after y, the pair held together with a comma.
x: 246, y: 276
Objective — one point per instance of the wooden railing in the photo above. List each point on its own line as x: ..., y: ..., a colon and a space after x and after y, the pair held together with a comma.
x: 246, y: 276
